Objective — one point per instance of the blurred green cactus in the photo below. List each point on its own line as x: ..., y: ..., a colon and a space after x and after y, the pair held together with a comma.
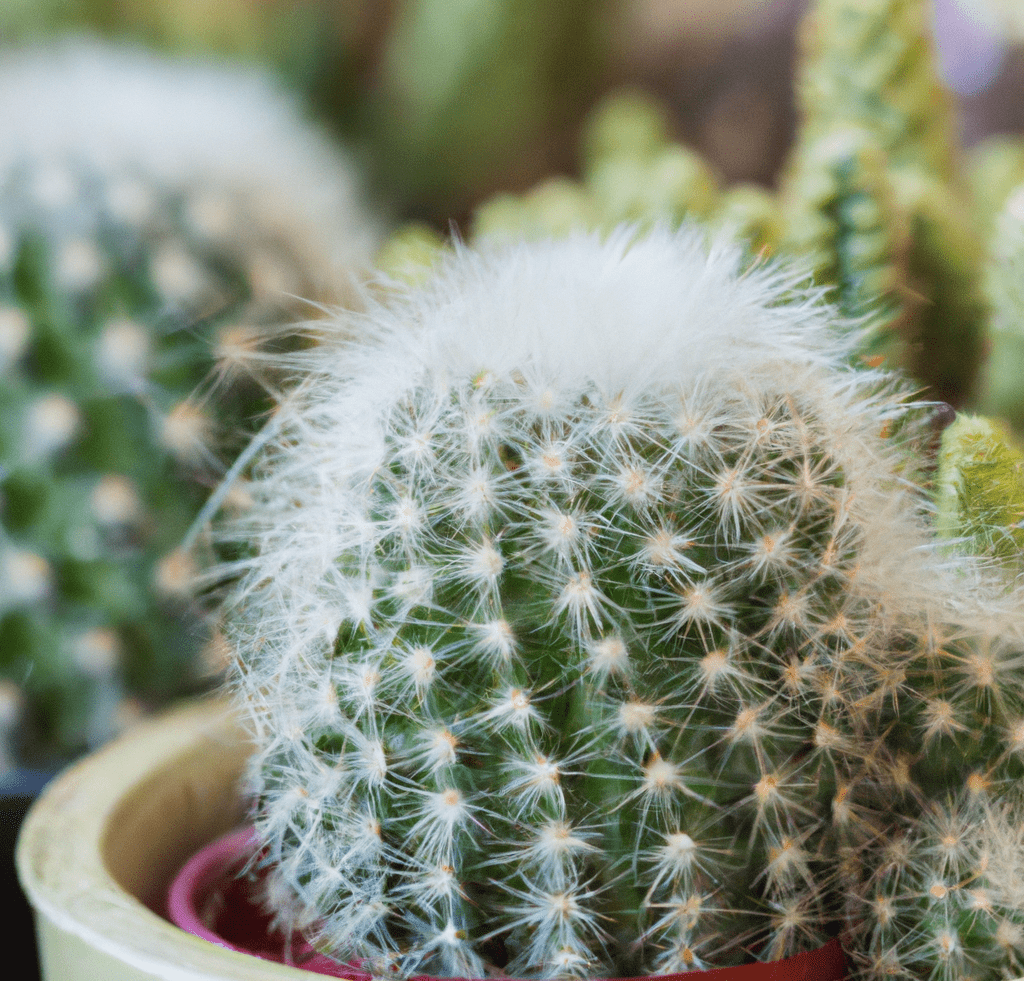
x: 945, y: 272
x: 870, y: 63
x: 138, y: 300
x: 1002, y: 388
x: 551, y: 209
x: 110, y: 325
x: 995, y: 168
x: 752, y: 213
x: 667, y: 186
x: 629, y: 122
x: 632, y: 172
x: 841, y: 214
x: 872, y: 193
x: 409, y: 253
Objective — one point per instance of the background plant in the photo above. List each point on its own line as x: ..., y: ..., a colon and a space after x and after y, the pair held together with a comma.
x: 146, y: 264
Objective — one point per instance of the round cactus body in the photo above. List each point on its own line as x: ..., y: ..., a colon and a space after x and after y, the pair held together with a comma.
x: 146, y: 272
x: 574, y: 596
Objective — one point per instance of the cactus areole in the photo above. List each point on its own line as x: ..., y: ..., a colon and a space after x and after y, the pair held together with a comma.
x: 566, y: 584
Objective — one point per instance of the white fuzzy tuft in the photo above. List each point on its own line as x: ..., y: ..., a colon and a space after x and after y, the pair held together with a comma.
x: 630, y: 315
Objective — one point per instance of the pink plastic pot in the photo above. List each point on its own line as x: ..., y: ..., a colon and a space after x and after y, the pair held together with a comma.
x: 208, y: 899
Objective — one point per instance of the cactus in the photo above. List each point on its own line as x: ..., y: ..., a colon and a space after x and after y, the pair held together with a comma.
x: 871, y: 197
x: 995, y: 168
x: 872, y: 192
x: 553, y: 208
x: 841, y: 214
x: 942, y: 900
x: 632, y: 173
x: 871, y: 63
x: 144, y: 274
x: 1001, y: 391
x: 409, y: 253
x: 752, y: 214
x: 578, y: 594
x: 936, y: 894
x: 980, y: 489
x: 627, y: 122
x: 669, y: 186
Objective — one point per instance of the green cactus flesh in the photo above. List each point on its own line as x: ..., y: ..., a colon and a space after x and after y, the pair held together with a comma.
x: 1000, y: 386
x: 602, y: 684
x: 627, y: 122
x: 936, y: 901
x: 751, y: 213
x: 119, y: 298
x: 841, y: 213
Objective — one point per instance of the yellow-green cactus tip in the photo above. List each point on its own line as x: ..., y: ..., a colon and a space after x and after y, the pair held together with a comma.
x: 628, y: 121
x: 552, y: 209
x: 672, y: 185
x: 752, y: 213
x: 980, y: 487
x: 410, y: 253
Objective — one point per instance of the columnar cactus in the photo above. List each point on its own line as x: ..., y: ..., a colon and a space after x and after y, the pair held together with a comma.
x: 843, y: 217
x: 872, y: 191
x: 871, y: 63
x: 154, y: 219
x: 577, y: 589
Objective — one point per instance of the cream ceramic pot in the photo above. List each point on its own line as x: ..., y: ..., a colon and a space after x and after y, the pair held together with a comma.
x: 98, y: 850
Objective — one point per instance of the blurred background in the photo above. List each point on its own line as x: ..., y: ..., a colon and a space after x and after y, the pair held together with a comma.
x: 446, y: 102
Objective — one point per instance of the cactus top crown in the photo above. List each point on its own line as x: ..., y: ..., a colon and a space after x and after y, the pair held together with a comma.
x: 567, y: 584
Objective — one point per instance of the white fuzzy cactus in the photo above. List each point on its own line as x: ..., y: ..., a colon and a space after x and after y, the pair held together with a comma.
x: 576, y: 588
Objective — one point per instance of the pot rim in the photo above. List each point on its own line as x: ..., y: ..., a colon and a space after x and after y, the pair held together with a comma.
x: 60, y: 853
